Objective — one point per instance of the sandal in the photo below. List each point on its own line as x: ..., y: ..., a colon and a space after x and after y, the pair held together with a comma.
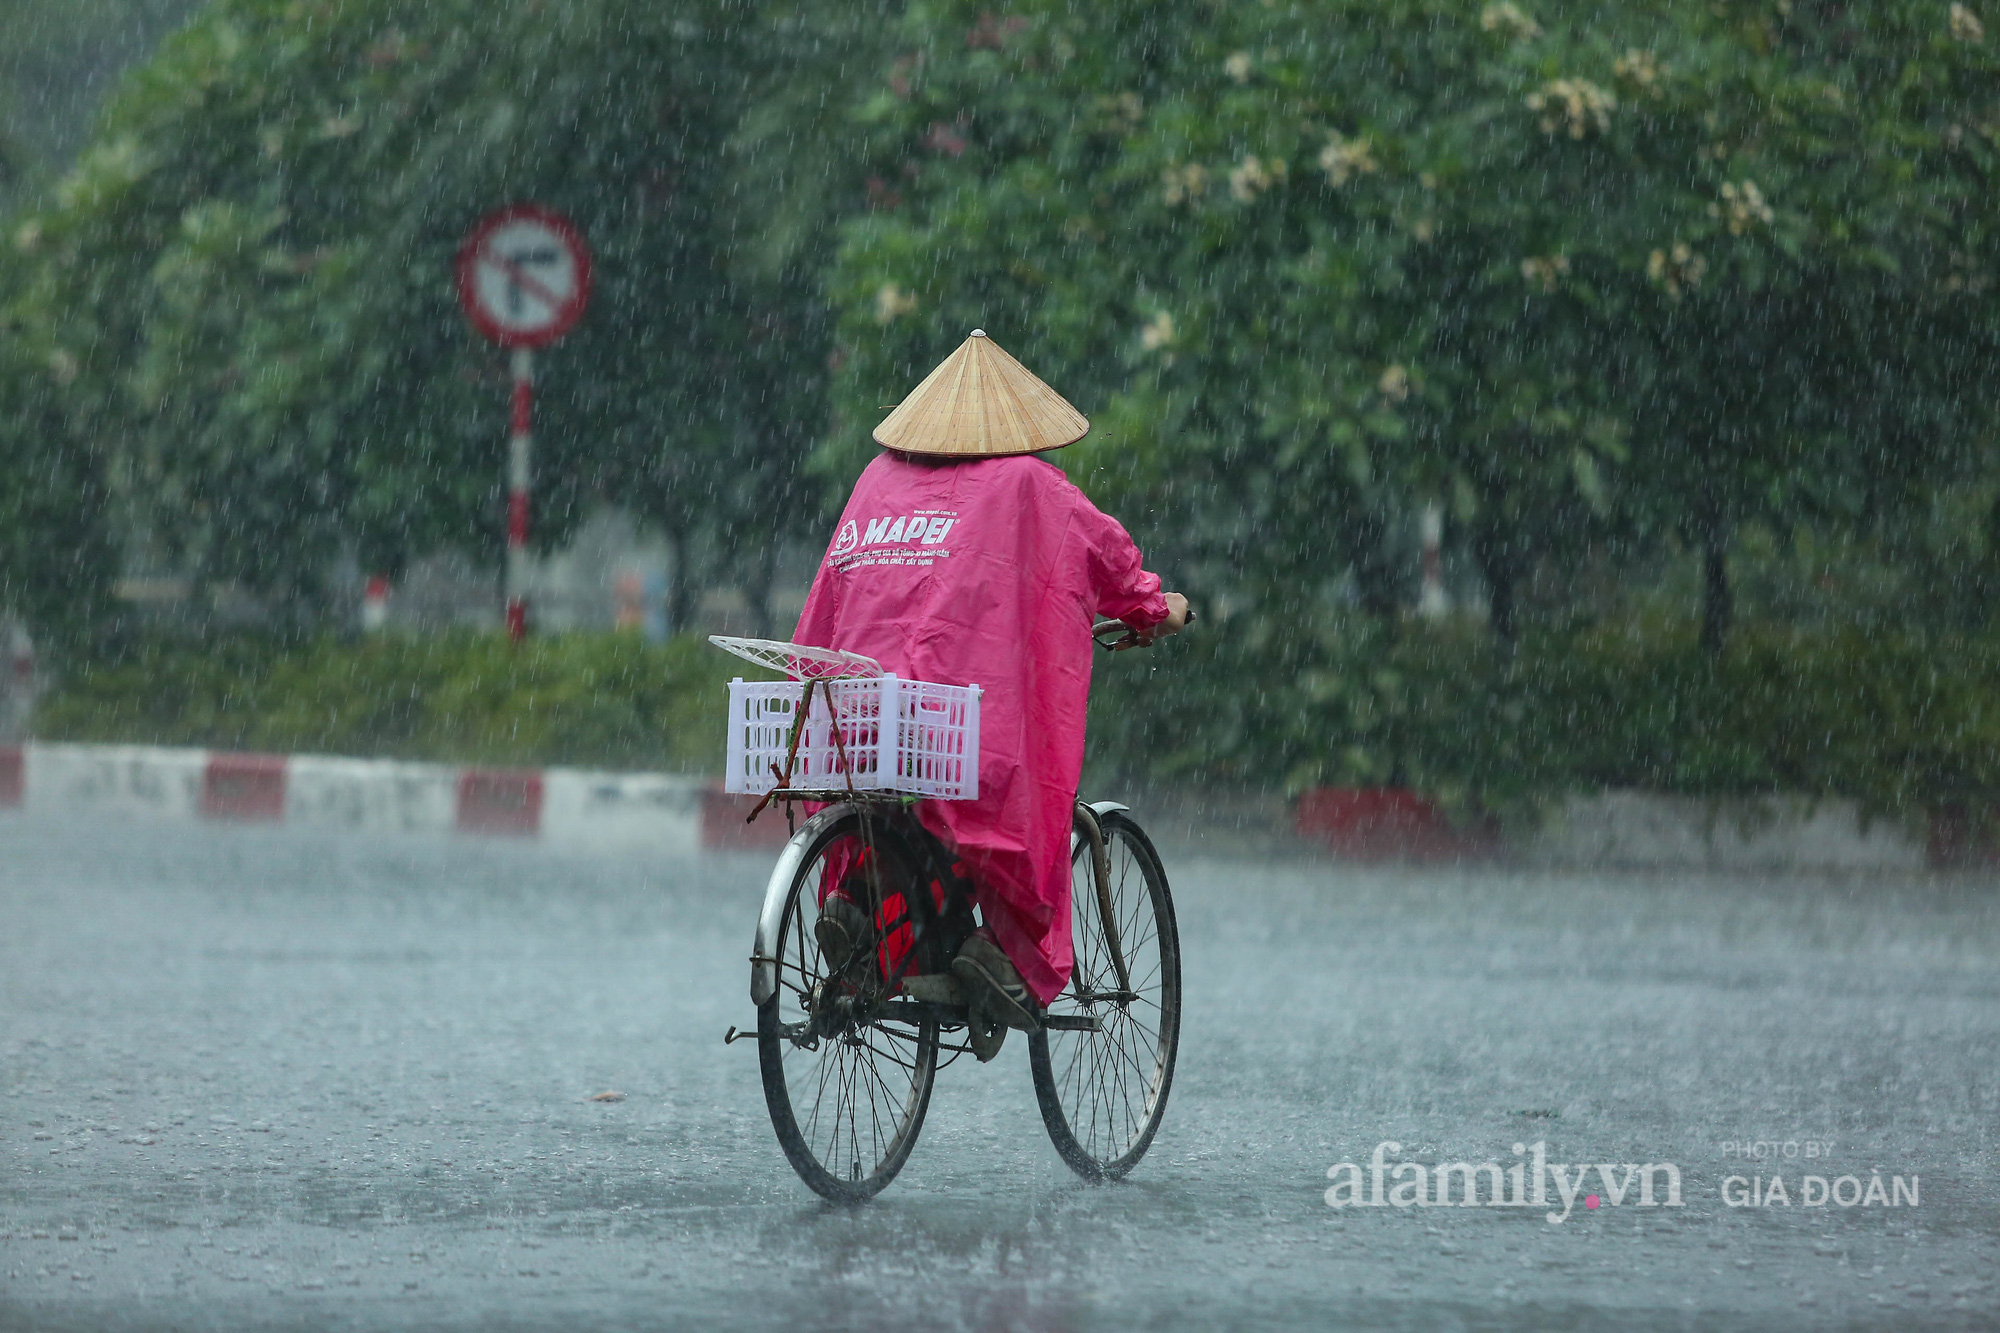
x: 994, y: 984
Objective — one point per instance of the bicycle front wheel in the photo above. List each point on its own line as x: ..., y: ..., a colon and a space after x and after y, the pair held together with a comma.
x: 1103, y: 1070
x: 847, y: 1066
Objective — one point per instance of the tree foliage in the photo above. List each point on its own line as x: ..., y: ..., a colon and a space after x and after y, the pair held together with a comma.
x: 57, y: 555
x: 1603, y: 281
x: 60, y: 59
x: 247, y: 276
x: 1588, y: 274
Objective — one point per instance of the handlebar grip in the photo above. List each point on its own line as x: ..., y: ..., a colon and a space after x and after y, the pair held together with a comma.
x: 1131, y: 638
x: 1106, y: 626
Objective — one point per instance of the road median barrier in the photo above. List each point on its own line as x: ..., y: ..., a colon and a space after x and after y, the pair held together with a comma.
x: 586, y: 809
x: 572, y: 807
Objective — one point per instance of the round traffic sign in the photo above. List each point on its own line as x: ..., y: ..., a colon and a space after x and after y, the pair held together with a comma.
x: 524, y: 276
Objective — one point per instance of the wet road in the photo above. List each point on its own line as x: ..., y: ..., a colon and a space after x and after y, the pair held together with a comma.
x: 258, y: 1079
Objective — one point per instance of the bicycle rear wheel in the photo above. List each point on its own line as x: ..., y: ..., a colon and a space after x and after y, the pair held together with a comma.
x: 1103, y: 1092
x: 847, y: 1067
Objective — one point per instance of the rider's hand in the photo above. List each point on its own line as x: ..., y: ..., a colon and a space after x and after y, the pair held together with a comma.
x: 1176, y: 621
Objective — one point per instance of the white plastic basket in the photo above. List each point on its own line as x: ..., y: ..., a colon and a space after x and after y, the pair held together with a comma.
x: 894, y: 735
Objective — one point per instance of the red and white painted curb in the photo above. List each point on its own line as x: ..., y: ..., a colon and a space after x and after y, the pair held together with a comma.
x: 658, y: 811
x: 671, y: 813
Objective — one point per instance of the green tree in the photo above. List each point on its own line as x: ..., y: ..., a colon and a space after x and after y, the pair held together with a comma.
x: 56, y: 554
x: 58, y: 61
x: 251, y: 269
x: 1583, y: 273
x: 1807, y: 353
x: 1301, y: 261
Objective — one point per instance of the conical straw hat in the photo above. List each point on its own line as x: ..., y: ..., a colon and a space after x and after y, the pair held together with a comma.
x: 981, y: 403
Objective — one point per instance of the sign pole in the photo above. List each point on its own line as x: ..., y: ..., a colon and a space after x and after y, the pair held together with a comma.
x: 524, y: 278
x: 519, y: 477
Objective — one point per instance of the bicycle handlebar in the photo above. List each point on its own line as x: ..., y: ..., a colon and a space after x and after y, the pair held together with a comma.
x: 1125, y: 635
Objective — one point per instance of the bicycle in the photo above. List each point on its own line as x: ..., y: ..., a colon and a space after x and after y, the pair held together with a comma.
x: 849, y: 1058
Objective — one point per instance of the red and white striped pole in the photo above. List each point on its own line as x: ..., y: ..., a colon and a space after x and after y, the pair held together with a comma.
x: 519, y: 475
x: 375, y: 603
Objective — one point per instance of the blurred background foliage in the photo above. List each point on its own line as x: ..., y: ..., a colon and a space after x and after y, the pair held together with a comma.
x: 1599, y: 278
x: 241, y: 290
x: 1681, y: 315
x: 596, y: 700
x: 59, y: 61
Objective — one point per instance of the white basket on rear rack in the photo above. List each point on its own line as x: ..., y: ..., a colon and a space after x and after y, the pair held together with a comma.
x: 871, y: 734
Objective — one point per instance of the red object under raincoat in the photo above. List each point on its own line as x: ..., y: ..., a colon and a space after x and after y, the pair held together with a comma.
x: 989, y: 572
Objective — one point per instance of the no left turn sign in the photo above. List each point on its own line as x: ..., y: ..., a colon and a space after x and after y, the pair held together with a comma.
x: 524, y: 276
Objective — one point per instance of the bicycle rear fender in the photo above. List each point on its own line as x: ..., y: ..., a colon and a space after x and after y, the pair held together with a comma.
x: 763, y: 953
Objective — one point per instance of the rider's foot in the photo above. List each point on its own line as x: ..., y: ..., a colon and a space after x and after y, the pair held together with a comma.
x: 993, y: 983
x: 841, y: 930
x: 984, y: 1033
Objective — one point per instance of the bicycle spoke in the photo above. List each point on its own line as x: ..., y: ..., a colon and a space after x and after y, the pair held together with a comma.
x: 846, y: 1108
x: 853, y: 1098
x: 1132, y: 1059
x: 874, y: 1107
x: 1152, y: 1034
x: 1124, y: 1103
x: 1076, y: 1049
x: 1108, y: 1081
x: 895, y: 1102
x: 1101, y: 1108
x: 1151, y: 934
x: 1139, y: 986
x: 812, y: 1124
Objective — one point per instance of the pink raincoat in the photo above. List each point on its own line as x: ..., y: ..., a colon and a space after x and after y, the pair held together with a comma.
x: 989, y: 572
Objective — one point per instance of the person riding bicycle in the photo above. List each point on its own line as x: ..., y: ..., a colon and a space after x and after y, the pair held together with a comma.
x: 963, y: 558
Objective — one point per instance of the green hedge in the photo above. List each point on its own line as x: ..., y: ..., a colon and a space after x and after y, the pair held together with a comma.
x: 1899, y: 721
x: 597, y: 700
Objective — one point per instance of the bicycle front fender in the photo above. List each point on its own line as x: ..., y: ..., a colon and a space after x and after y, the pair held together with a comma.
x: 1098, y: 808
x: 764, y: 951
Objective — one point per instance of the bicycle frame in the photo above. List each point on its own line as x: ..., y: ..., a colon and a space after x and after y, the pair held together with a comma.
x: 763, y: 957
x: 878, y: 991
